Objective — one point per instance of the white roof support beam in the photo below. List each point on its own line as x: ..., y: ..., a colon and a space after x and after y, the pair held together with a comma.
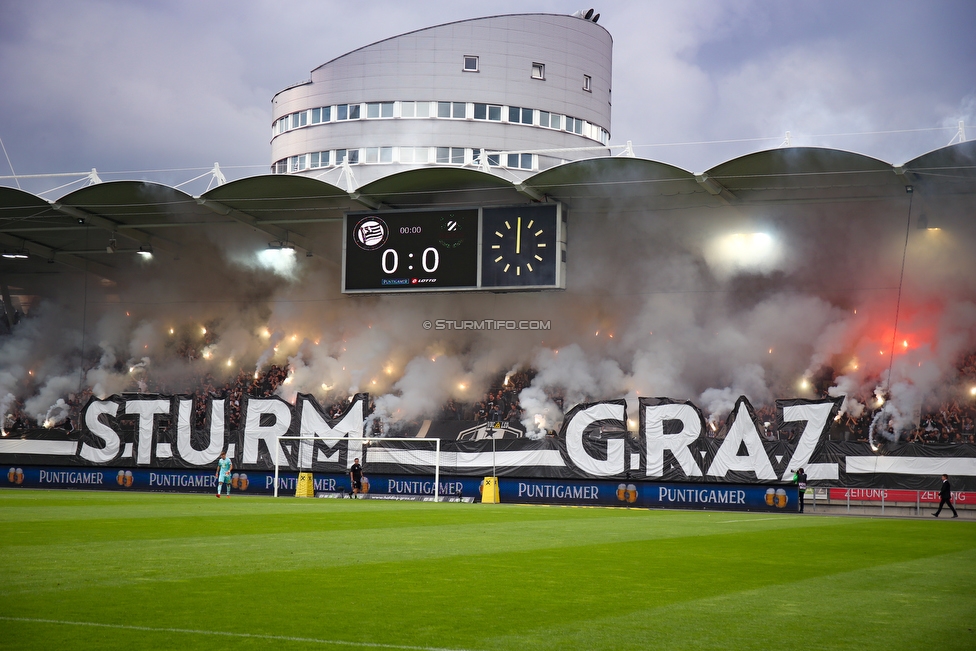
x: 530, y: 192
x: 906, y: 176
x: 715, y: 188
x: 366, y: 201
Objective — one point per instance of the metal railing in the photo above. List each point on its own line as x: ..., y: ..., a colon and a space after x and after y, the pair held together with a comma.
x: 884, y: 497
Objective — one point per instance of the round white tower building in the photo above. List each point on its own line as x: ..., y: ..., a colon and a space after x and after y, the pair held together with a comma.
x: 511, y: 95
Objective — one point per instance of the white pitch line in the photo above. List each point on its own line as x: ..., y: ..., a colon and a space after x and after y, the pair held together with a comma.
x: 253, y: 636
x: 753, y: 520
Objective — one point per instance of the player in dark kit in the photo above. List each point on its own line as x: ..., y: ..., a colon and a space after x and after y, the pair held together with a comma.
x: 356, y: 476
x: 946, y: 495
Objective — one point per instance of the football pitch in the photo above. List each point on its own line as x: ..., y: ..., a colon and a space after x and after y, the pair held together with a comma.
x: 89, y: 570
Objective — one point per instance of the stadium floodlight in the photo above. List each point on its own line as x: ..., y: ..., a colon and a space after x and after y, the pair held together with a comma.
x: 735, y: 252
x: 373, y: 446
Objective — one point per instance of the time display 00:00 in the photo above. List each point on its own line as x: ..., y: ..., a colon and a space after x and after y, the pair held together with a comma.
x: 429, y: 260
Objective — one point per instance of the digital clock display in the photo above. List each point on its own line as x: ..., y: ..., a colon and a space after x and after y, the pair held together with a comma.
x: 397, y: 251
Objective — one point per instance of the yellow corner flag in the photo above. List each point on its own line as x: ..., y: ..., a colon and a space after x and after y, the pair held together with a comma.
x: 489, y: 491
x: 306, y: 487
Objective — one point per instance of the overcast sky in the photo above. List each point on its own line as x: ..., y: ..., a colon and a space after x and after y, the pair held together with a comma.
x: 129, y: 87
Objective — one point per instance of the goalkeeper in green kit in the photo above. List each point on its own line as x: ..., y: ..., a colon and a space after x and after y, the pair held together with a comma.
x: 224, y: 466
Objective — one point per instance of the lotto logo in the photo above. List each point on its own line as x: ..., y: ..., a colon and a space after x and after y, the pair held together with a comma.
x: 124, y: 478
x: 776, y: 497
x: 15, y: 476
x: 627, y: 493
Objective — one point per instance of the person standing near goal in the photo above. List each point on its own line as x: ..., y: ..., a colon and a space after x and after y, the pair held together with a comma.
x: 356, y: 477
x: 224, y: 468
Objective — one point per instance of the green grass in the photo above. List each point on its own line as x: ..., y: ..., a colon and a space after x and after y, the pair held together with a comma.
x: 122, y: 571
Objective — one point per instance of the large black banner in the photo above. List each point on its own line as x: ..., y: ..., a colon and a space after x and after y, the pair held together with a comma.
x: 672, y: 443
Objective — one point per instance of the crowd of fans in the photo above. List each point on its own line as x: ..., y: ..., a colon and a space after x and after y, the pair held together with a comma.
x: 17, y: 419
x: 951, y: 422
x: 500, y: 403
x: 258, y: 385
x: 950, y: 425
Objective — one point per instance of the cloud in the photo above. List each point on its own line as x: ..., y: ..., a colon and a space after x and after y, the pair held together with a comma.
x: 175, y: 85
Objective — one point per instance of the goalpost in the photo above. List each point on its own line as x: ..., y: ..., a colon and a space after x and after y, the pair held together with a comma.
x: 376, y: 445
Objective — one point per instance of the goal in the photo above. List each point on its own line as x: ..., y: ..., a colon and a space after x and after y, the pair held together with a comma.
x: 411, y: 452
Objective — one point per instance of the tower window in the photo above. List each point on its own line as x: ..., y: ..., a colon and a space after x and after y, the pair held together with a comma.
x: 323, y: 114
x: 455, y: 110
x: 538, y: 71
x: 450, y: 155
x: 587, y: 80
x: 379, y: 110
x: 470, y: 63
x: 488, y: 112
x: 414, y: 109
x: 517, y: 114
x: 519, y: 161
x: 347, y: 112
x: 414, y: 154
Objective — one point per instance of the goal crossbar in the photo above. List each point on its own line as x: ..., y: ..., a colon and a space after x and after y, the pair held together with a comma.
x: 369, y: 441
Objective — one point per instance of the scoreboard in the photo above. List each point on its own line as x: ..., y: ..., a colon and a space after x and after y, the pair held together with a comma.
x: 505, y: 248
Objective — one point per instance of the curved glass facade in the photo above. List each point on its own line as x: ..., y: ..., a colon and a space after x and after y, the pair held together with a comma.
x: 439, y: 110
x: 408, y: 156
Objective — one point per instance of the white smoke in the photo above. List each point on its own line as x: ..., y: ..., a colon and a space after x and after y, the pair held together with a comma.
x: 748, y: 380
x: 51, y: 393
x: 56, y: 413
x: 269, y: 353
x: 652, y: 308
x: 5, y: 402
x: 574, y: 375
x: 424, y: 387
x: 541, y: 413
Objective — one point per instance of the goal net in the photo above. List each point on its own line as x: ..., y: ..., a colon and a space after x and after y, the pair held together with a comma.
x: 323, y: 454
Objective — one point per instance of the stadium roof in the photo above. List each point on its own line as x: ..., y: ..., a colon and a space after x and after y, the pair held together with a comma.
x: 86, y: 228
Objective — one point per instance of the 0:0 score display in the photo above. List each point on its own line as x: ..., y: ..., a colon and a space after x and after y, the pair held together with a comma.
x: 429, y: 261
x: 411, y: 250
